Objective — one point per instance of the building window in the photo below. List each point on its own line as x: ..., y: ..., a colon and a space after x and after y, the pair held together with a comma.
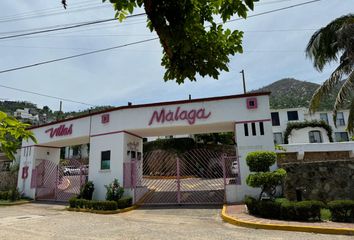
x: 315, y: 137
x: 253, y: 129
x: 293, y: 116
x: 278, y: 138
x: 324, y: 117
x: 261, y: 127
x: 340, y: 119
x: 105, y: 160
x: 275, y: 119
x: 341, y: 137
x: 245, y: 126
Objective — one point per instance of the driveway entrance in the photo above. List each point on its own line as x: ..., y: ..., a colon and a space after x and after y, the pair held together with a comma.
x: 198, y: 176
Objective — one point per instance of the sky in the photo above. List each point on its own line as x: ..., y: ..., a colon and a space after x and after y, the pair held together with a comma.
x: 273, y: 45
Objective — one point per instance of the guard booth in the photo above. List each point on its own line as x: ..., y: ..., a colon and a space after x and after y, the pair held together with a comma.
x: 116, y: 151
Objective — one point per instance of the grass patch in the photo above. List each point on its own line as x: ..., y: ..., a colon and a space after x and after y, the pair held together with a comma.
x: 325, y: 214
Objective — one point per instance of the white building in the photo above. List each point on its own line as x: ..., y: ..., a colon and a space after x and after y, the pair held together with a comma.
x: 25, y: 114
x: 116, y: 139
x: 281, y: 118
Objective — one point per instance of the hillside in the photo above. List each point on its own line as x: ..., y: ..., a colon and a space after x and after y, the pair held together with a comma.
x: 292, y: 93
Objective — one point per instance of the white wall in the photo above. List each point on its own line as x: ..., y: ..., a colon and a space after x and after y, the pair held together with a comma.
x: 304, y: 115
x: 226, y: 114
x: 31, y: 156
x: 301, y: 148
x: 113, y: 143
x: 246, y: 144
x: 302, y: 135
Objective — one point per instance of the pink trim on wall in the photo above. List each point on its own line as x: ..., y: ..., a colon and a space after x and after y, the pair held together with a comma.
x: 122, y: 131
x: 43, y: 146
x: 157, y: 104
x: 252, y: 121
x: 249, y: 100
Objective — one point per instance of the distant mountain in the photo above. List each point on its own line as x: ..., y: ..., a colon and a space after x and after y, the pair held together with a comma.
x: 293, y: 93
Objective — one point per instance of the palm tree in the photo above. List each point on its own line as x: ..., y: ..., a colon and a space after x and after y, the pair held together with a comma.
x: 332, y: 43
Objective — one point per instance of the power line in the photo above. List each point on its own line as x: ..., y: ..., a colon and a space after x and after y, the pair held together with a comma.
x: 77, y: 55
x: 136, y: 15
x: 48, y: 96
x: 47, y: 10
x: 69, y: 27
x: 274, y: 10
x: 78, y: 8
x: 139, y: 42
x: 52, y: 14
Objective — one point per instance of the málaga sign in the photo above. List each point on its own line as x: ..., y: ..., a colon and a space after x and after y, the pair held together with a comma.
x: 179, y: 114
x: 62, y: 130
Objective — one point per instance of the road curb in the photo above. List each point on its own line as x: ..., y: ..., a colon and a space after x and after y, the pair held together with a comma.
x: 295, y: 228
x: 102, y: 211
x: 15, y: 203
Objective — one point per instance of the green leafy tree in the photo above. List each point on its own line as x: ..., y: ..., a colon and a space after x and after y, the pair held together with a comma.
x: 193, y: 41
x: 259, y: 162
x: 332, y: 43
x: 12, y: 132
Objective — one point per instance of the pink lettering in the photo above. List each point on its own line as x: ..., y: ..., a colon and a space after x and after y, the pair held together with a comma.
x: 169, y: 116
x: 158, y: 117
x: 183, y: 115
x: 60, y: 131
x: 190, y: 116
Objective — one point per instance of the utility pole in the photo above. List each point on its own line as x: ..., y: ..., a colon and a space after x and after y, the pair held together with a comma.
x: 244, y: 81
x: 60, y: 109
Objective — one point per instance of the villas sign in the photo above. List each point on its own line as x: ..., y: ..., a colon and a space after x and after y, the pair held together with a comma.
x: 179, y: 115
x: 62, y: 130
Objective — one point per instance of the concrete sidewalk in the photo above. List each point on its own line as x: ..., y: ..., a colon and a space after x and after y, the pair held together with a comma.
x: 238, y: 215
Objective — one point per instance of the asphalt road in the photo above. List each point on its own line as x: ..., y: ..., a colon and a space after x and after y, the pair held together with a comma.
x: 44, y: 221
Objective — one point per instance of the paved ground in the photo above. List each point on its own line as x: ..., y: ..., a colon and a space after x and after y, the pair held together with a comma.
x: 43, y: 221
x: 240, y: 212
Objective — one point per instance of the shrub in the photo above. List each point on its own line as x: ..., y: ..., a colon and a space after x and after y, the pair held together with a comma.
x: 125, y: 202
x: 72, y: 202
x: 86, y: 191
x: 342, y: 210
x: 302, y: 211
x: 3, y: 195
x: 260, y: 161
x: 284, y: 209
x: 252, y: 205
x: 173, y: 144
x: 104, y: 205
x: 114, y: 191
x: 267, y: 181
x: 13, y: 195
x: 95, y: 205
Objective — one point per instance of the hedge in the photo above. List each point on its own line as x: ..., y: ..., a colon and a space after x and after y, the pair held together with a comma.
x: 11, y: 195
x: 100, y: 205
x: 284, y: 209
x: 95, y: 205
x: 175, y: 144
x: 125, y: 202
x: 312, y: 124
x: 342, y: 210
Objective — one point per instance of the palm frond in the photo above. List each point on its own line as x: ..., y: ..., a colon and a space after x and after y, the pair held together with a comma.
x: 324, y: 46
x: 350, y: 127
x: 345, y: 92
x: 327, y: 86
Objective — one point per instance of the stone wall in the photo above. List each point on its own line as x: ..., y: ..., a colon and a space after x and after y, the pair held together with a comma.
x: 320, y: 180
x: 7, y: 180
